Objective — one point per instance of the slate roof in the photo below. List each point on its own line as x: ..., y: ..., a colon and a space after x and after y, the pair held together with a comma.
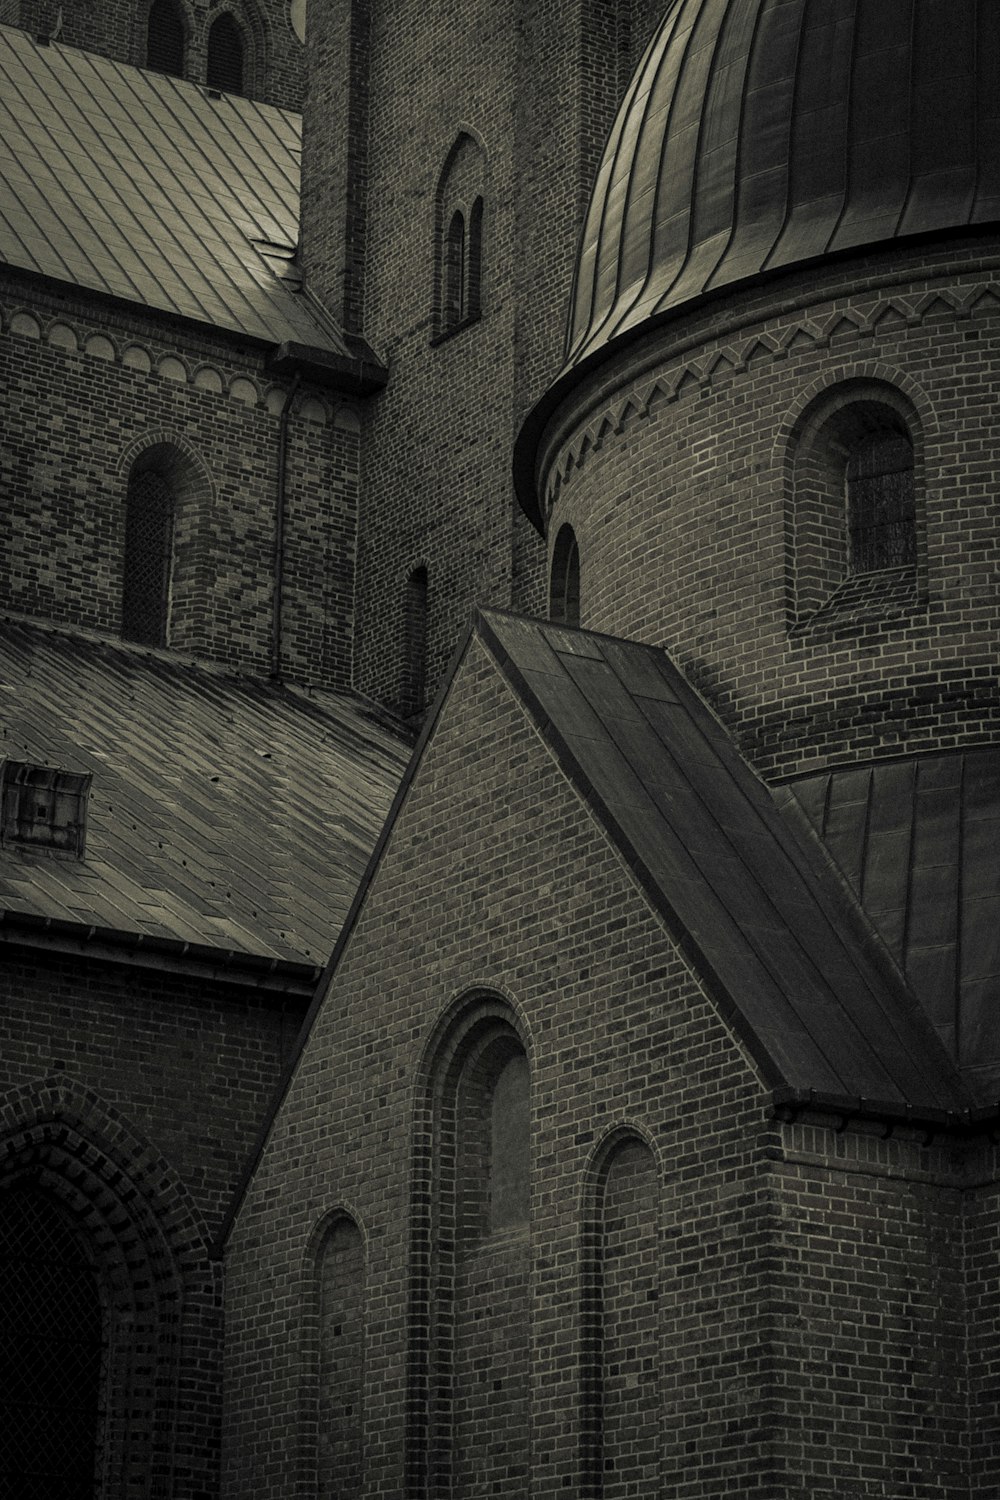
x: 917, y: 840
x: 225, y: 812
x: 769, y: 925
x: 142, y: 187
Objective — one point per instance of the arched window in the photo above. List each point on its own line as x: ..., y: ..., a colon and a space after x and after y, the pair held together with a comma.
x: 880, y: 505
x: 51, y: 1349
x: 165, y: 39
x: 225, y: 68
x: 149, y: 530
x: 413, y: 684
x: 459, y: 238
x: 852, y: 508
x: 564, y: 587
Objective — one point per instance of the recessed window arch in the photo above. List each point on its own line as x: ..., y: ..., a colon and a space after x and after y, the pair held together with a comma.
x: 458, y: 237
x: 149, y: 535
x: 564, y: 581
x: 166, y: 39
x: 469, y: 1348
x: 621, y: 1322
x: 340, y: 1295
x: 854, y: 513
x: 165, y: 544
x: 226, y: 61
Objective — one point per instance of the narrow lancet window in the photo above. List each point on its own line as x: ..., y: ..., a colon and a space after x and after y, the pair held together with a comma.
x: 149, y: 527
x: 564, y: 591
x: 225, y: 56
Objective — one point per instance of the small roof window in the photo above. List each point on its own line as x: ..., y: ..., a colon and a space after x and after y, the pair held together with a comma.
x: 42, y: 807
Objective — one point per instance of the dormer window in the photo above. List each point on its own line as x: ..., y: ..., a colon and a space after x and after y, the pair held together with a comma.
x: 43, y: 807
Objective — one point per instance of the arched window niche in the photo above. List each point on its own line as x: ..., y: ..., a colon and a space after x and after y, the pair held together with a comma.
x: 458, y: 238
x: 564, y: 579
x: 340, y: 1310
x: 149, y: 538
x: 168, y: 498
x: 166, y: 39
x: 471, y: 1247
x: 226, y: 60
x: 854, y: 510
x: 621, y: 1337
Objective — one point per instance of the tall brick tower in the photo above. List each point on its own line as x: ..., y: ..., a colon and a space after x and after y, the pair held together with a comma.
x: 447, y: 160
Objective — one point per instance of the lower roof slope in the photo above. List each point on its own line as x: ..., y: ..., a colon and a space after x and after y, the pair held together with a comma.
x: 224, y: 812
x: 152, y: 190
x: 792, y: 961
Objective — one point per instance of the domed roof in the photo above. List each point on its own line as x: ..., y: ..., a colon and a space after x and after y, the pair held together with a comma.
x: 757, y: 134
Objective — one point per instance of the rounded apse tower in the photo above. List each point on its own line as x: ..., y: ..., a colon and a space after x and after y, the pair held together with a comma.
x: 774, y: 444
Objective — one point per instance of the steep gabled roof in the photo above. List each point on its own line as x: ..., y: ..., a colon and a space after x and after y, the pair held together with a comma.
x: 765, y: 920
x: 225, y: 813
x: 149, y: 189
x: 789, y: 957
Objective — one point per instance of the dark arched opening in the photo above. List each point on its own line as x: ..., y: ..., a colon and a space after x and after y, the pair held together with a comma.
x: 149, y: 529
x: 225, y: 69
x: 51, y: 1351
x: 564, y: 587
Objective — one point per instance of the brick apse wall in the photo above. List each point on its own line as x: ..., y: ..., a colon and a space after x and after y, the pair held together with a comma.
x: 675, y: 467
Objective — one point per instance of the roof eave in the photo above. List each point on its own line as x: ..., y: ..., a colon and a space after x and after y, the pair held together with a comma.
x: 358, y: 374
x: 165, y: 954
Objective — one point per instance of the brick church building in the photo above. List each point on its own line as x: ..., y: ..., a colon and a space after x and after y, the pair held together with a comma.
x: 500, y: 763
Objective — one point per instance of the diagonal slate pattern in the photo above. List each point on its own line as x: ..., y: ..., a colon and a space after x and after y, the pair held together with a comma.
x: 224, y: 811
x: 145, y: 188
x: 772, y: 929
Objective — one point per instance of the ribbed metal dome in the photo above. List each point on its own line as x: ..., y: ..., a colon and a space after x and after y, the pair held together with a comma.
x: 757, y: 134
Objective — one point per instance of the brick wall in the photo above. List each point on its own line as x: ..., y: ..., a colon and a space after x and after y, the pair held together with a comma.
x: 870, y: 1318
x: 497, y: 887
x: 84, y: 396
x: 674, y: 465
x: 132, y: 1099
